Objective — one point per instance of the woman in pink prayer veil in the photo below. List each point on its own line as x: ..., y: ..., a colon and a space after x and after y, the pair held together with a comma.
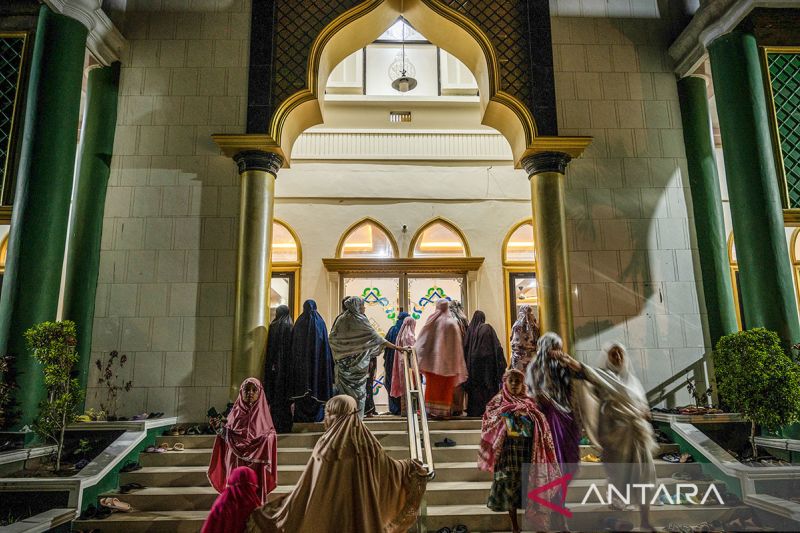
x: 248, y: 439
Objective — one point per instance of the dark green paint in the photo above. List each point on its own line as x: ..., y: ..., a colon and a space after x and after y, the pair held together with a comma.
x: 32, y: 280
x: 707, y: 206
x: 89, y: 200
x: 756, y: 209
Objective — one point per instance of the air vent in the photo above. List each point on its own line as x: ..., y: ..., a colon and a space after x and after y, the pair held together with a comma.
x: 399, y: 116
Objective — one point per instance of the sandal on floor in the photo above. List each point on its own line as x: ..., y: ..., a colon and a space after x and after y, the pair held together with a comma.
x: 591, y: 458
x: 446, y: 443
x: 116, y: 504
x: 178, y: 447
x: 686, y: 458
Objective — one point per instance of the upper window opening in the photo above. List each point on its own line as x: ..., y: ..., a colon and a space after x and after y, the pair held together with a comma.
x: 285, y: 248
x: 367, y: 239
x: 439, y: 239
x: 520, y: 245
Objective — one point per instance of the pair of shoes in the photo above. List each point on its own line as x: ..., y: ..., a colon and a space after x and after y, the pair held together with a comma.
x: 125, y: 489
x: 155, y: 449
x: 95, y: 513
x: 177, y: 447
x: 131, y: 466
x: 115, y: 504
x: 446, y: 443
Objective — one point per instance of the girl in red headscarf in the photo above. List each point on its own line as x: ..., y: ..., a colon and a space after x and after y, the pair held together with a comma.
x: 248, y: 439
x: 514, y: 432
x: 233, y: 506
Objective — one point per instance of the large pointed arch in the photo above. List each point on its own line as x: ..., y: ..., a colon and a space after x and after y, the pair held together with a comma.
x: 445, y: 28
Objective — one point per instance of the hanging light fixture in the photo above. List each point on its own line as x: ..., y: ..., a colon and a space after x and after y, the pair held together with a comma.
x: 405, y: 82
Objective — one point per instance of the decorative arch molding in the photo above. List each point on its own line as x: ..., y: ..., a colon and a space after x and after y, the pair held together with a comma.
x: 507, y: 238
x: 293, y: 233
x: 445, y: 222
x: 444, y: 26
x: 346, y: 233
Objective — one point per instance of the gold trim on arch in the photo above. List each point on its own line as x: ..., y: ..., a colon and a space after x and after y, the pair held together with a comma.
x: 293, y: 233
x: 734, y: 268
x: 507, y: 238
x: 405, y: 265
x: 431, y: 222
x: 356, y: 224
x: 501, y: 110
x: 4, y: 252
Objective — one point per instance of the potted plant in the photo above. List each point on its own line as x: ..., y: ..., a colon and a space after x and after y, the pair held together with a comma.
x: 53, y: 345
x: 758, y: 379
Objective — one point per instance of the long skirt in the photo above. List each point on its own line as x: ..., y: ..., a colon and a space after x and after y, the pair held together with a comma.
x: 506, y: 493
x: 351, y: 378
x: 369, y: 403
x: 439, y: 394
x: 566, y: 436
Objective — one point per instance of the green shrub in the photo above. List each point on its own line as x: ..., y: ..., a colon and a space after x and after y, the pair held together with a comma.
x: 53, y: 345
x: 758, y: 379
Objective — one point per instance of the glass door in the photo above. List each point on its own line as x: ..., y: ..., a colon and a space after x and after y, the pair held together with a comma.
x: 381, y: 295
x: 423, y: 291
x: 522, y: 290
x: 281, y: 292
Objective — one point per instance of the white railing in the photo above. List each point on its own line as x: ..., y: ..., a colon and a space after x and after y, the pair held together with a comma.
x: 419, y: 437
x: 701, y: 372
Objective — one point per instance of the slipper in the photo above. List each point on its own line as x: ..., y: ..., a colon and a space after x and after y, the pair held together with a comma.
x: 166, y: 447
x: 686, y: 458
x: 444, y: 530
x: 682, y: 476
x: 131, y: 466
x: 173, y: 431
x: 88, y: 513
x: 178, y: 447
x: 125, y: 489
x: 138, y: 417
x: 460, y: 528
x: 446, y: 443
x: 670, y: 458
x: 116, y: 504
x: 591, y: 458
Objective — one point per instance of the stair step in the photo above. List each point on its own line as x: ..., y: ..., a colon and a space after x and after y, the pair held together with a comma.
x: 438, y: 493
x: 478, y: 518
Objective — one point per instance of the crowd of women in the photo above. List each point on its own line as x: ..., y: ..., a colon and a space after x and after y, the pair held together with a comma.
x: 533, y: 413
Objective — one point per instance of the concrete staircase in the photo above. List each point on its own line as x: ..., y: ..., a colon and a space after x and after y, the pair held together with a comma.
x: 177, y: 496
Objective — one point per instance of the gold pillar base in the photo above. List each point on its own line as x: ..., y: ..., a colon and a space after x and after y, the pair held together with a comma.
x: 253, y: 269
x: 546, y: 172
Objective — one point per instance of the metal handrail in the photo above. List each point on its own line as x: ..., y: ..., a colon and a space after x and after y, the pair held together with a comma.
x: 419, y: 437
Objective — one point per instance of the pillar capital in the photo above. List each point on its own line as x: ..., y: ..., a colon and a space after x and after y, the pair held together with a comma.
x: 258, y: 160
x: 546, y: 162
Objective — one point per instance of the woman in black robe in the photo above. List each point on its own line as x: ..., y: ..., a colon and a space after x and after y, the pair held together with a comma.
x: 278, y: 366
x: 486, y: 363
x: 312, y: 365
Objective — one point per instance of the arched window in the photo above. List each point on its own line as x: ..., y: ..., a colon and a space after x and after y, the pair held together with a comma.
x: 519, y: 271
x: 367, y: 238
x: 3, y: 253
x: 439, y: 238
x: 287, y: 256
x: 794, y: 250
x: 737, y: 291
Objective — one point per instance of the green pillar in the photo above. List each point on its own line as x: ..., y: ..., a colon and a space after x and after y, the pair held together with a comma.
x: 88, y: 205
x: 756, y: 209
x: 707, y: 205
x: 35, y: 258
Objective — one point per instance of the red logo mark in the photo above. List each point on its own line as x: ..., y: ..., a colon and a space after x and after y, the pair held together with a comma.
x: 563, y: 481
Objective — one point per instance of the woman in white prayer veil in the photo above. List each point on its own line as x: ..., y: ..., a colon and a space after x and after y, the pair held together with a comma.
x: 616, y: 418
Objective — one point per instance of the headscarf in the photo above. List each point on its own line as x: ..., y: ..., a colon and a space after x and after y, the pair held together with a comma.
x: 544, y: 462
x: 352, y: 332
x: 233, y: 506
x: 312, y: 361
x: 547, y: 378
x: 406, y: 337
x: 440, y: 346
x: 249, y: 437
x: 279, y: 348
x: 389, y: 353
x: 628, y: 402
x: 457, y: 310
x: 350, y: 483
x: 484, y: 354
x: 526, y: 328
